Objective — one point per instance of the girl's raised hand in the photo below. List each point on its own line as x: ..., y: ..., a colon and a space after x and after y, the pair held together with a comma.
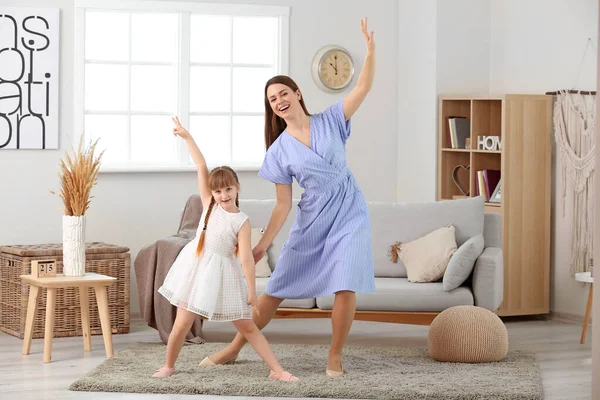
x: 179, y: 130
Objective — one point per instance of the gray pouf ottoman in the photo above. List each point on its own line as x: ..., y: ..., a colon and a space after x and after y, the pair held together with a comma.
x: 467, y: 334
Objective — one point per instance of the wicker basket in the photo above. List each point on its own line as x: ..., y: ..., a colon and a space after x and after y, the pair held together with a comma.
x: 101, y: 258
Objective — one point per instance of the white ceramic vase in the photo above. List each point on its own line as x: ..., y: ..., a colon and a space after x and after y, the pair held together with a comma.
x: 73, y: 245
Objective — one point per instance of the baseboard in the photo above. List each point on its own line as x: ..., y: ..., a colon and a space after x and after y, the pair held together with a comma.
x: 568, y: 318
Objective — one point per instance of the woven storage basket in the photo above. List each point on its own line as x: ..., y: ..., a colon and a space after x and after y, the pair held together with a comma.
x: 101, y: 258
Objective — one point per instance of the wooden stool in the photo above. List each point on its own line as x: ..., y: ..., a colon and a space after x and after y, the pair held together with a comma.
x: 586, y: 277
x: 97, y: 281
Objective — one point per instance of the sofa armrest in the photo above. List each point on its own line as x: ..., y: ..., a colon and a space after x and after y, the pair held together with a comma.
x: 488, y: 279
x: 492, y: 229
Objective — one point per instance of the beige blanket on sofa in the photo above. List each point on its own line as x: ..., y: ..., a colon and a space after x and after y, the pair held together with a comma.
x: 152, y: 264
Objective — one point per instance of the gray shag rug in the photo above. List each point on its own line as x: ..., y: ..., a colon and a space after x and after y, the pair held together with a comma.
x: 370, y: 373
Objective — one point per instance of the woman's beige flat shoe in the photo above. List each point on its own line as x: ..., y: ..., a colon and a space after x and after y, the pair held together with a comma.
x: 333, y: 373
x: 207, y: 362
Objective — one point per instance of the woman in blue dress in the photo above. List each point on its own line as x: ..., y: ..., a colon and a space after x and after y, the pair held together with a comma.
x: 329, y: 247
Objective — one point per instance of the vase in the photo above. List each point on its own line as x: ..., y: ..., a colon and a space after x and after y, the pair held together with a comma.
x: 73, y: 245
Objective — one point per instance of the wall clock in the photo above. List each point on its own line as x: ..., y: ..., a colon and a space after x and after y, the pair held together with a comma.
x: 332, y: 68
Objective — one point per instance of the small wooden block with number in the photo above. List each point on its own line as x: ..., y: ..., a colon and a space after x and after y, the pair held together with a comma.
x: 43, y: 268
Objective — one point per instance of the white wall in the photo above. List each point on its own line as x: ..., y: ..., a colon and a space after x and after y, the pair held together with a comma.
x: 417, y: 100
x: 136, y: 209
x: 537, y: 46
x: 596, y: 272
x: 596, y: 306
x: 443, y: 47
x: 463, y: 46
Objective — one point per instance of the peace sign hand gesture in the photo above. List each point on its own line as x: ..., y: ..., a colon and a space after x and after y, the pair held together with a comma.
x: 179, y: 130
x: 367, y: 35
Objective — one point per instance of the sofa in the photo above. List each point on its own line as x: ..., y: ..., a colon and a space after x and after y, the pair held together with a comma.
x: 396, y: 299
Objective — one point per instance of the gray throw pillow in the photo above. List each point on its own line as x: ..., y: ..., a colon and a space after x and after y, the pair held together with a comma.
x: 461, y: 263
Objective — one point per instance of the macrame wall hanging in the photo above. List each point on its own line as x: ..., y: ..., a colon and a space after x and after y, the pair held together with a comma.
x: 575, y: 134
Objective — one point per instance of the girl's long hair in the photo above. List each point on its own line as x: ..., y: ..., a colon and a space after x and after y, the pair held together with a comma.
x: 275, y: 125
x: 219, y: 178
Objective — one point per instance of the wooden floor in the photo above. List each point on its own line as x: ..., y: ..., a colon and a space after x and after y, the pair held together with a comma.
x: 566, y: 365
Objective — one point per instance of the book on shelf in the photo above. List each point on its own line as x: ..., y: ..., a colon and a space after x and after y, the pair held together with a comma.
x: 487, y: 184
x: 459, y: 129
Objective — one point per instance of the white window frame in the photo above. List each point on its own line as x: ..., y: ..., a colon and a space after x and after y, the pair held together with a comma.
x: 183, y: 100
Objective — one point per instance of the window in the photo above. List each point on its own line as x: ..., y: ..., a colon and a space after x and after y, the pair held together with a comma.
x: 139, y: 63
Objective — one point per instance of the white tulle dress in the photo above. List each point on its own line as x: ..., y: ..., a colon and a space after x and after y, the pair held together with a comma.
x: 213, y: 284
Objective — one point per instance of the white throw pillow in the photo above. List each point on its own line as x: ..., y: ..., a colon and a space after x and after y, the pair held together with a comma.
x: 262, y: 269
x: 462, y: 262
x: 426, y: 258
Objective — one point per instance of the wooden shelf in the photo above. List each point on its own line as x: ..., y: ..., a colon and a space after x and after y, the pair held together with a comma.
x: 451, y: 160
x: 487, y: 203
x: 457, y: 150
x: 487, y: 151
x: 472, y: 151
x: 524, y: 163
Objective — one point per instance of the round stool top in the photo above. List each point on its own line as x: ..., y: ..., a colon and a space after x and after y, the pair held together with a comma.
x: 467, y: 334
x: 584, y: 277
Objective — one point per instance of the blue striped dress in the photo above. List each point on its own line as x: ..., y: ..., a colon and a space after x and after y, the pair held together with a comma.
x: 329, y: 245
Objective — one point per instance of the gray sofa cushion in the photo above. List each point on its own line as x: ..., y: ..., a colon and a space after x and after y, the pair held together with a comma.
x: 404, y: 222
x: 398, y: 294
x: 461, y: 263
x: 261, y: 283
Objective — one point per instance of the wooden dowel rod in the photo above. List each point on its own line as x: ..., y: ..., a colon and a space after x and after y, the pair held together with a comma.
x: 593, y: 92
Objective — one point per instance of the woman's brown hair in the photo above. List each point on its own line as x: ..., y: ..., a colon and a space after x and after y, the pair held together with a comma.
x: 219, y: 178
x: 274, y: 124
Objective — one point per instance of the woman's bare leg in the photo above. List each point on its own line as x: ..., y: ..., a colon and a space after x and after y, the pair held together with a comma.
x: 344, y: 308
x: 267, y: 306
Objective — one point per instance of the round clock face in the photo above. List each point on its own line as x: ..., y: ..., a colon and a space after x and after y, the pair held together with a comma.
x: 333, y: 68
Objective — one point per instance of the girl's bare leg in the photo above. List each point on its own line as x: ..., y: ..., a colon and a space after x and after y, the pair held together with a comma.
x: 267, y: 306
x: 257, y: 340
x: 181, y: 326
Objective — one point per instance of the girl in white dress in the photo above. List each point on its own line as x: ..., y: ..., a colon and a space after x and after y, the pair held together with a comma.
x: 206, y: 278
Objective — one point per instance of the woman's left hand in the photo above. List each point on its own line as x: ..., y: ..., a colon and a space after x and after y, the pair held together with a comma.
x: 367, y: 35
x: 365, y: 80
x: 258, y: 253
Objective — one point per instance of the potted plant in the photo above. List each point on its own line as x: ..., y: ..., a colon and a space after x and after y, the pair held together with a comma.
x: 78, y: 174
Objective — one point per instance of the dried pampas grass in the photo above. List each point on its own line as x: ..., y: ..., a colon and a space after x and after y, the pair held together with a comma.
x: 78, y: 175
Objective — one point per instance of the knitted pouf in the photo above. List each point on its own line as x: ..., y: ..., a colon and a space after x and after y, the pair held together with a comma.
x: 467, y: 334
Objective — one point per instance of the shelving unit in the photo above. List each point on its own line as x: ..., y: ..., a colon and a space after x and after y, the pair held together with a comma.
x: 524, y: 125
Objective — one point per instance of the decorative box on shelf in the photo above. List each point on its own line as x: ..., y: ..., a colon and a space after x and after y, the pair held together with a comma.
x: 101, y: 258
